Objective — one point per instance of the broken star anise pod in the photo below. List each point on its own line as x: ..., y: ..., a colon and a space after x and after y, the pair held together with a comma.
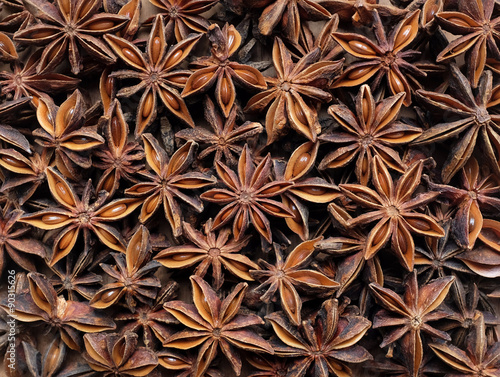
x: 372, y: 130
x: 247, y: 196
x: 218, y: 68
x: 78, y: 215
x: 295, y: 84
x: 157, y: 74
x: 132, y: 275
x: 113, y: 355
x: 323, y: 344
x: 394, y: 209
x: 208, y: 249
x: 385, y: 59
x: 41, y: 303
x: 289, y: 274
x: 166, y: 182
x: 65, y: 27
x: 214, y: 323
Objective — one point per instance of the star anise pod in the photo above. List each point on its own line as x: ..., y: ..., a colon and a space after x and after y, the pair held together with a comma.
x: 54, y: 358
x: 411, y: 313
x: 386, y: 58
x: 393, y: 207
x: 473, y: 20
x: 62, y: 129
x: 373, y: 130
x: 208, y: 249
x: 68, y: 26
x: 290, y: 274
x: 473, y: 120
x: 214, y: 324
x: 15, y: 242
x: 78, y: 215
x: 156, y: 72
x: 294, y: 85
x: 218, y: 68
x: 226, y: 136
x: 118, y: 356
x: 167, y: 180
x: 41, y: 303
x: 132, y: 275
x: 8, y: 134
x: 480, y: 193
x: 323, y: 344
x: 183, y: 364
x: 247, y: 196
x: 26, y: 174
x: 152, y: 319
x: 184, y: 17
x: 360, y: 12
x: 118, y: 158
x: 268, y: 367
x: 478, y: 359
x: 24, y: 81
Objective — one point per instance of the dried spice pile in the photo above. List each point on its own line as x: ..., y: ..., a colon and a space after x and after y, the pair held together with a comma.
x: 250, y: 187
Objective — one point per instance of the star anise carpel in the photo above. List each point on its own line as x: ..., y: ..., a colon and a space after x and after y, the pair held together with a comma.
x: 157, y: 73
x: 389, y: 58
x: 220, y: 70
x: 166, y: 182
x: 394, y: 208
x: 77, y: 215
x: 295, y: 91
x: 214, y: 323
x: 247, y: 196
x: 372, y: 130
x: 69, y: 26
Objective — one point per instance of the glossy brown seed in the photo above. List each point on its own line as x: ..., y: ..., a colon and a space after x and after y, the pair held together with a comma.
x: 225, y: 91
x: 115, y: 210
x: 131, y: 55
x: 201, y: 80
x: 110, y: 295
x: 108, y: 236
x: 458, y: 21
x: 156, y: 49
x: 53, y: 219
x: 171, y: 100
x: 148, y: 105
x: 14, y: 162
x: 301, y: 163
x: 101, y: 25
x: 61, y: 191
x: 247, y: 75
x: 419, y: 224
x: 403, y: 35
x: 358, y: 73
x: 175, y: 58
x: 314, y: 190
x: 300, y: 113
x: 66, y: 239
x: 361, y: 48
x: 152, y: 204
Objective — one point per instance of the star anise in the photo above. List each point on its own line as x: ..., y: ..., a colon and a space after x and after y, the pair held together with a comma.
x: 183, y: 364
x: 411, y: 313
x: 25, y: 81
x: 132, y: 275
x: 156, y: 72
x: 373, y: 130
x: 473, y: 20
x: 294, y: 85
x: 152, y: 319
x: 8, y: 134
x: 213, y: 323
x: 290, y: 13
x: 323, y: 344
x: 268, y: 367
x: 118, y: 356
x: 184, y: 17
x: 386, y: 58
x: 478, y: 359
x: 78, y: 215
x: 26, y: 175
x: 247, y: 196
x: 473, y: 120
x: 480, y: 193
x: 290, y: 274
x: 208, y: 250
x: 118, y: 158
x: 15, y: 242
x: 167, y: 180
x: 41, y: 303
x: 69, y: 25
x: 393, y: 207
x: 218, y: 67
x: 360, y: 12
x: 62, y: 129
x: 226, y: 136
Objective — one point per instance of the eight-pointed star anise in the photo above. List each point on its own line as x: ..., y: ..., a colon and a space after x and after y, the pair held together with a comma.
x: 393, y: 208
x: 247, y: 196
x: 166, y: 182
x: 373, y: 130
x: 208, y: 249
x: 156, y: 72
x: 68, y: 25
x: 214, y: 323
x: 294, y: 84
